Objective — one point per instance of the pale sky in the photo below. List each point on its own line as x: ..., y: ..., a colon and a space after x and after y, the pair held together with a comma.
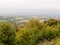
x: 29, y: 6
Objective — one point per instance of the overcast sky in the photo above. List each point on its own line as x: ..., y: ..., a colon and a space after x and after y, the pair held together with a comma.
x: 29, y: 7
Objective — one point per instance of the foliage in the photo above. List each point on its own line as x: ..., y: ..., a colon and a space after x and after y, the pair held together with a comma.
x: 35, y: 31
x: 29, y: 34
x: 51, y: 22
x: 32, y: 32
x: 7, y: 33
x: 56, y: 41
x: 50, y: 33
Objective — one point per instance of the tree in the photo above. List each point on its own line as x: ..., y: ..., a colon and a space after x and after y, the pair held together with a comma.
x: 51, y: 22
x: 7, y: 33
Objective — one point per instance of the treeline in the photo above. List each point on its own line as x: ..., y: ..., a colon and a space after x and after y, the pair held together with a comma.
x: 32, y: 33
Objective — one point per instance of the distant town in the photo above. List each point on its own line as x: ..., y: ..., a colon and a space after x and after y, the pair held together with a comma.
x: 22, y: 19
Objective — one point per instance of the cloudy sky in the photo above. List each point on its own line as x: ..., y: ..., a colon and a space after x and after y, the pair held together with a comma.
x: 29, y: 7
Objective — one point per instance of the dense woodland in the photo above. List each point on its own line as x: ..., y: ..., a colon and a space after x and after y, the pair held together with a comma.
x: 32, y: 33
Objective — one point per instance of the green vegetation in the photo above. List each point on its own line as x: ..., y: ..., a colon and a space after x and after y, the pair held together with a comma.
x: 32, y: 33
x: 56, y: 41
x: 7, y: 33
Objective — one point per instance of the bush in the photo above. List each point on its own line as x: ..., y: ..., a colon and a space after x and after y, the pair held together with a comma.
x: 7, y: 33
x: 1, y: 44
x: 50, y: 33
x: 56, y: 42
x: 34, y: 31
x: 29, y: 34
x: 51, y: 22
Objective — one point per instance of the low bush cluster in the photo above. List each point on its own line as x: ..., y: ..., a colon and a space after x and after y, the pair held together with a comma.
x: 32, y: 32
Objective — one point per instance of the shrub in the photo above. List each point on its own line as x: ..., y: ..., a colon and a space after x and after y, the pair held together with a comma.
x: 56, y: 42
x: 7, y: 33
x: 50, y: 33
x: 29, y: 34
x: 35, y: 31
x: 51, y: 22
